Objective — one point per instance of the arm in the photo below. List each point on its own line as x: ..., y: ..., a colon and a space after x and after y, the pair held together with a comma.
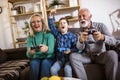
x: 79, y: 45
x: 73, y: 46
x: 50, y: 44
x: 52, y: 26
x: 29, y: 44
x: 106, y: 36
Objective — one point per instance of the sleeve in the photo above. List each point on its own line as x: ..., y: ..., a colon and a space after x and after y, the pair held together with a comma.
x: 74, y: 41
x: 29, y: 44
x: 52, y: 26
x: 109, y: 39
x: 50, y: 42
x: 80, y: 46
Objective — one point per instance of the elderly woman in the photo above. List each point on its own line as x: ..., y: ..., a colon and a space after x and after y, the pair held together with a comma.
x: 40, y: 48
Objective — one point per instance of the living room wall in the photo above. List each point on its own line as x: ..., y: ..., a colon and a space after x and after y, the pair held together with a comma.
x: 5, y: 32
x: 99, y: 8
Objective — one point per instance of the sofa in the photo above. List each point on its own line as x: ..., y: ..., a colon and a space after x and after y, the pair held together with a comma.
x: 14, y: 65
x: 97, y: 71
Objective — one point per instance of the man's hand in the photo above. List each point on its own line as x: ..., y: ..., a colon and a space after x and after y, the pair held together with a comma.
x: 83, y: 37
x: 52, y: 13
x: 98, y: 36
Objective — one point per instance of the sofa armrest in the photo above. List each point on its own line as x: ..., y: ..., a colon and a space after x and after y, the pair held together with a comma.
x: 116, y: 48
x: 16, y: 53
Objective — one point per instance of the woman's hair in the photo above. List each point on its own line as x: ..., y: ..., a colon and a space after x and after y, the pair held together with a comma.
x: 44, y: 26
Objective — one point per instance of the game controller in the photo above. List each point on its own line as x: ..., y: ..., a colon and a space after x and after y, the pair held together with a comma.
x: 91, y: 31
x: 62, y: 49
x: 35, y: 47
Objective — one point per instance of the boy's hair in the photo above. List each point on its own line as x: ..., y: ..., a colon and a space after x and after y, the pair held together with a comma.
x: 44, y: 27
x: 64, y: 18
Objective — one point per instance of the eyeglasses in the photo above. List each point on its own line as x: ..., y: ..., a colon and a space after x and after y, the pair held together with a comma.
x: 38, y: 21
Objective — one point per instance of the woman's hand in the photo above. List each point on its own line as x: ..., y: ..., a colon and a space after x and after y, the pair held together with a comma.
x: 43, y: 48
x: 32, y: 51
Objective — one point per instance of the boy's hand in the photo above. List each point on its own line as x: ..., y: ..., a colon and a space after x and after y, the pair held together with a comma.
x: 52, y: 13
x: 67, y: 52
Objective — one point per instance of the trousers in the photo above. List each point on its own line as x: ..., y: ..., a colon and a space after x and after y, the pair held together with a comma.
x: 108, y: 58
x: 57, y: 66
x: 40, y: 68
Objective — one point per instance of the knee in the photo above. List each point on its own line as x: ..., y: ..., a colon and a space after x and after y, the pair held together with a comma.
x: 67, y: 69
x: 53, y: 70
x: 34, y: 62
x: 46, y: 62
x: 113, y: 55
x: 72, y: 56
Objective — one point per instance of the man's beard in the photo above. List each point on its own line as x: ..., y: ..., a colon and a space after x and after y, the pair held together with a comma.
x: 84, y: 23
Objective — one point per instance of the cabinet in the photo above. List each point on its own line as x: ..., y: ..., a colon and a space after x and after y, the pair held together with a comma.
x: 69, y: 10
x: 19, y: 13
x: 21, y: 10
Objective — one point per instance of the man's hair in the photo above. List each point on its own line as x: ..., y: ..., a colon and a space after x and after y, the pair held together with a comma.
x: 85, y: 9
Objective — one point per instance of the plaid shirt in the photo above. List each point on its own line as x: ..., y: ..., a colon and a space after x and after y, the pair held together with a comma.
x: 67, y: 40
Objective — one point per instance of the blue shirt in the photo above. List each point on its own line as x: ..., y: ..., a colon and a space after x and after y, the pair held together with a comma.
x: 67, y: 40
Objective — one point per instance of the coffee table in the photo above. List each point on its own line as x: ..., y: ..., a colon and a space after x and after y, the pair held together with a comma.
x: 59, y: 78
x: 68, y: 78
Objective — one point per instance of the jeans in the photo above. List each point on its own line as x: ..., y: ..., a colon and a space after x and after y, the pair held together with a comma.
x: 40, y: 68
x: 57, y: 66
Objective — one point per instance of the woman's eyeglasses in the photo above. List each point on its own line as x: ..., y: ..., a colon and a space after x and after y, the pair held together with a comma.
x: 38, y: 21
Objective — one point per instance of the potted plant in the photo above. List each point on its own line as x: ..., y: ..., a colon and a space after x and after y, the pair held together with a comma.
x: 56, y: 3
x: 26, y: 28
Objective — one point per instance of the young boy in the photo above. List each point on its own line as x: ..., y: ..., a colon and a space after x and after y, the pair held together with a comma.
x: 66, y: 43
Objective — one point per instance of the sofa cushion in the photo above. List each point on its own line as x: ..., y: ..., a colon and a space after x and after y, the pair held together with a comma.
x: 95, y: 71
x: 3, y: 56
x: 10, y: 73
x: 10, y: 70
x: 116, y: 48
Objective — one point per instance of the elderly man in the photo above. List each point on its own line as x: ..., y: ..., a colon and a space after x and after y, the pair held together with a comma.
x: 92, y: 40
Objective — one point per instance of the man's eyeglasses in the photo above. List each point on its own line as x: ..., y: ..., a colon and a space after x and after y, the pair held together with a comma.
x: 36, y: 21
